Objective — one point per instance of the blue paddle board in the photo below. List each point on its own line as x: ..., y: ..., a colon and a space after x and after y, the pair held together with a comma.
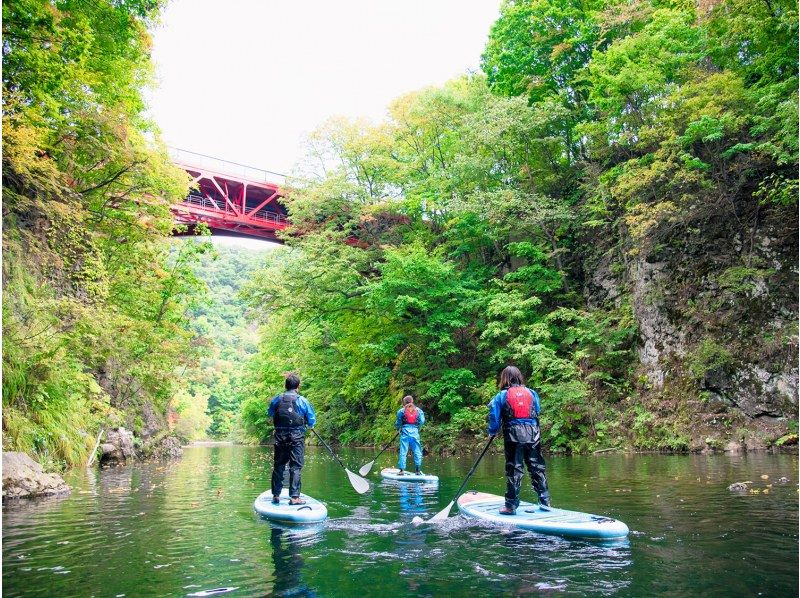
x: 392, y: 473
x: 545, y: 520
x: 311, y: 512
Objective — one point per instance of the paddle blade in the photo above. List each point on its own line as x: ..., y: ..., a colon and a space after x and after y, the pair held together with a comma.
x: 365, y: 469
x: 443, y: 514
x: 360, y: 485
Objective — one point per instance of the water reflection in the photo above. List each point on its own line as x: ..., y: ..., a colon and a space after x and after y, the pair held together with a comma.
x: 411, y: 500
x: 287, y: 559
x: 172, y: 529
x: 410, y: 544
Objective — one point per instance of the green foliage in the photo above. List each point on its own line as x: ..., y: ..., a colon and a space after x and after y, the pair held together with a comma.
x: 448, y: 391
x: 191, y: 410
x: 707, y: 357
x: 742, y: 279
x: 256, y: 425
x: 95, y: 295
x: 227, y: 337
x: 459, y: 235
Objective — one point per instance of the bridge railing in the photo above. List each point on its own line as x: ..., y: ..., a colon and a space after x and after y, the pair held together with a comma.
x: 240, y: 171
x: 201, y: 201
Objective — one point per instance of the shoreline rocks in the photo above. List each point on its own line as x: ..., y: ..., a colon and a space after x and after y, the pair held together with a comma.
x: 167, y: 449
x: 118, y: 447
x: 24, y: 478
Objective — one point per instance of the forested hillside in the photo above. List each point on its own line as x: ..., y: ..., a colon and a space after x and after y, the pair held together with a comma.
x: 95, y: 297
x: 209, y: 402
x: 611, y: 205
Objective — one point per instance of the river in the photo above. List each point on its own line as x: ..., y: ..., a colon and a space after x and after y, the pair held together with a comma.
x: 179, y: 528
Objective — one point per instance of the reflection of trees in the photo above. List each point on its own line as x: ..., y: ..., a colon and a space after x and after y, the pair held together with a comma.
x: 288, y: 564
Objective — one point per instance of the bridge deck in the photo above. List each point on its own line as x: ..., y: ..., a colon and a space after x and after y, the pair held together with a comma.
x: 230, y: 197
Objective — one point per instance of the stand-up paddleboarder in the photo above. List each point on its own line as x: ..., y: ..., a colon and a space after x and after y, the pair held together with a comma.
x: 516, y: 408
x: 409, y: 419
x: 291, y: 412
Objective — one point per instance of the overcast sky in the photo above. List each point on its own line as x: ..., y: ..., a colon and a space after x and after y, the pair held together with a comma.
x: 245, y: 81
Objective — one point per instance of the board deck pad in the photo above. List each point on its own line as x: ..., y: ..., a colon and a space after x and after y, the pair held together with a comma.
x: 311, y: 512
x: 545, y: 520
x: 392, y: 473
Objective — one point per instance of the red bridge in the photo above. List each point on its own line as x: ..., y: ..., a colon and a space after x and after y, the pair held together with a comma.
x: 229, y: 197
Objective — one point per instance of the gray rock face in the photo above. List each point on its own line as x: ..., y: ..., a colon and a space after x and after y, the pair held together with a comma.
x: 755, y: 391
x: 603, y: 286
x: 696, y: 291
x: 24, y: 478
x: 716, y: 314
x: 118, y: 447
x: 152, y: 422
x: 660, y: 337
x: 168, y: 448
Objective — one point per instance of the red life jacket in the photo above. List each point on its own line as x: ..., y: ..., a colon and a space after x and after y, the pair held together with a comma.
x: 520, y: 401
x: 410, y: 415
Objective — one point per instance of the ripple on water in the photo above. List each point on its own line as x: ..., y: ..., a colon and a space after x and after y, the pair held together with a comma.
x: 190, y: 527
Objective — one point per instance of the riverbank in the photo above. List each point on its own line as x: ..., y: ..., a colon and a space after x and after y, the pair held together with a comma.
x: 24, y: 478
x: 211, y: 443
x: 35, y: 482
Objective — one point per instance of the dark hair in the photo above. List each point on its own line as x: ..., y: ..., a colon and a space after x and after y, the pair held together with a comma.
x: 511, y: 376
x: 292, y: 381
x: 408, y: 400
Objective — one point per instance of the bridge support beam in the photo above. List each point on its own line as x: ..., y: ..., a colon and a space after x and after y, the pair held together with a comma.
x: 230, y: 197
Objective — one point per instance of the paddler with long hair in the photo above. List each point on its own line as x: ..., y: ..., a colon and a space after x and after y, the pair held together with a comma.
x: 516, y: 408
x: 408, y: 421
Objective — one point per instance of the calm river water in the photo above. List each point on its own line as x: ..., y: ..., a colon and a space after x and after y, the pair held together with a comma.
x: 180, y: 528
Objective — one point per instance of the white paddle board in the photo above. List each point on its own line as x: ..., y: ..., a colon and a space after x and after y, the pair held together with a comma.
x: 311, y: 512
x: 545, y: 520
x: 392, y: 473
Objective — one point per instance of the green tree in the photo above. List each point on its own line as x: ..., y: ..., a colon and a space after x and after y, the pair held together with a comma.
x: 95, y: 295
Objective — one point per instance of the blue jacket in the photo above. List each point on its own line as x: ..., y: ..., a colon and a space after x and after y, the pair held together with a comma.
x: 496, y: 411
x: 409, y: 428
x: 304, y: 408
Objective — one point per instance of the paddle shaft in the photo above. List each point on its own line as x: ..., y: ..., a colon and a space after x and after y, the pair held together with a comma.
x: 387, y: 446
x: 330, y: 450
x: 474, y: 467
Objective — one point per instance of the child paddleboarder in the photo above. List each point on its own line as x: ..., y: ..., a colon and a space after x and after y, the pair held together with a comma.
x: 516, y: 408
x: 409, y: 419
x: 291, y: 412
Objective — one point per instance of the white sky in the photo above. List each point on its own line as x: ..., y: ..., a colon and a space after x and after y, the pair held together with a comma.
x: 249, y: 243
x: 246, y: 81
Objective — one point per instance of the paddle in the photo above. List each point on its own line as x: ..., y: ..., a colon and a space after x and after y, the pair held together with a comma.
x: 360, y: 485
x: 366, y: 468
x: 445, y: 513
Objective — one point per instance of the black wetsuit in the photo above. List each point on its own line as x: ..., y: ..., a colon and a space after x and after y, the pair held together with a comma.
x: 522, y: 444
x: 290, y: 443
